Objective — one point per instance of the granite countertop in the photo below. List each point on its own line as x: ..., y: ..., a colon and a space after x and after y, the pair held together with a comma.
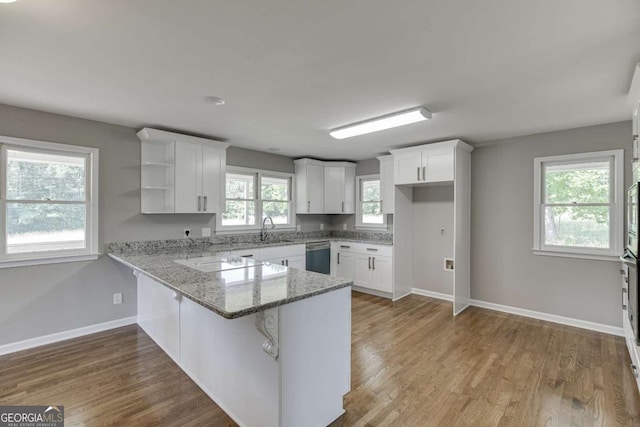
x: 243, y: 286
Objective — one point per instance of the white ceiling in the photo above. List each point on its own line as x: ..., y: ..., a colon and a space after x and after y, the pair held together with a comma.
x: 292, y: 70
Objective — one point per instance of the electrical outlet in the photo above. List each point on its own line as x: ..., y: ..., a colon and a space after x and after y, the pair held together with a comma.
x: 321, y: 226
x: 117, y: 298
x: 344, y: 227
x: 448, y: 264
x: 187, y: 232
x: 298, y: 228
x: 206, y: 231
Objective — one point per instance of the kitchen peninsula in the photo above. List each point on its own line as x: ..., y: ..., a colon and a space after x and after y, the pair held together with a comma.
x: 271, y: 345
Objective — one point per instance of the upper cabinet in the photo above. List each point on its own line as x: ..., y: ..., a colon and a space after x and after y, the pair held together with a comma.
x: 325, y: 187
x: 430, y: 163
x: 634, y: 101
x: 309, y: 186
x: 339, y: 188
x: 387, y: 187
x: 181, y: 173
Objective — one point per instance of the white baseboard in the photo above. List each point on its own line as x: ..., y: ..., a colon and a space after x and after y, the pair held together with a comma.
x: 569, y: 321
x: 380, y: 294
x: 65, y: 335
x: 432, y: 294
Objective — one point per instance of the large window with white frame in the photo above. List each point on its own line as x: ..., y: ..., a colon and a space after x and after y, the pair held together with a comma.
x: 252, y: 195
x: 48, y: 203
x: 579, y: 205
x: 369, y: 207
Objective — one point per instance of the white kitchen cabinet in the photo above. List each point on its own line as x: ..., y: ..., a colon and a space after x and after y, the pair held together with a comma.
x: 159, y: 314
x: 387, y: 186
x: 325, y: 187
x: 309, y: 186
x: 345, y: 265
x: 339, y: 188
x: 430, y: 163
x: 181, y: 173
x: 369, y: 266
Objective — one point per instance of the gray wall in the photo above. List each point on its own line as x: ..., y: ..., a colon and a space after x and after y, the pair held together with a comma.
x: 503, y: 267
x: 432, y: 212
x: 40, y: 300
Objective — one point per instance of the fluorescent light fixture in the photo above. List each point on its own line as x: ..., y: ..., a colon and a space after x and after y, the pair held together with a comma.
x: 380, y: 123
x: 8, y: 1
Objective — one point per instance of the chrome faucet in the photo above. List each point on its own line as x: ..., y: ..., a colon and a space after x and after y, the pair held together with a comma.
x: 264, y: 234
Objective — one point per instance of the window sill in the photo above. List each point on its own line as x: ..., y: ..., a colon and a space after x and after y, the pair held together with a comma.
x: 371, y: 228
x: 610, y: 258
x: 8, y: 263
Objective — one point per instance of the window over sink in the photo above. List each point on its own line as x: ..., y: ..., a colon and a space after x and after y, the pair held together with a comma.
x: 252, y: 195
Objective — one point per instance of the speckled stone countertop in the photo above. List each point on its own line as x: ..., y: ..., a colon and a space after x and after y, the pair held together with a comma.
x: 233, y: 293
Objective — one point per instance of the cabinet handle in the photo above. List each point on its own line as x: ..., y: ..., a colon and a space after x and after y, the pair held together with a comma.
x: 624, y: 290
x: 418, y: 173
x: 338, y: 257
x: 424, y: 176
x: 343, y: 207
x: 205, y: 203
x: 345, y: 247
x: 369, y: 263
x: 373, y: 262
x: 308, y: 206
x: 281, y: 262
x: 372, y: 249
x: 199, y: 200
x: 286, y: 262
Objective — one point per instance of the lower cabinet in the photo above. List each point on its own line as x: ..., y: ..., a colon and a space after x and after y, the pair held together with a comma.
x: 159, y: 314
x: 368, y: 266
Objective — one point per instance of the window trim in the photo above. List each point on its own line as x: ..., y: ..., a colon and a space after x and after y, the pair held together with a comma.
x: 617, y: 207
x: 258, y: 173
x: 364, y: 225
x: 91, y: 252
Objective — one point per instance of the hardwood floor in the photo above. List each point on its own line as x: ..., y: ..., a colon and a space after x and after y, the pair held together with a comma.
x: 413, y: 364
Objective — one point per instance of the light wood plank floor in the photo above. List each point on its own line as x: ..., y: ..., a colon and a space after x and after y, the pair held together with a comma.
x: 413, y: 365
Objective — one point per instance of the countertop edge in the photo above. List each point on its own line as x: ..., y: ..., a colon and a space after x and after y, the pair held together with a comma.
x: 226, y: 314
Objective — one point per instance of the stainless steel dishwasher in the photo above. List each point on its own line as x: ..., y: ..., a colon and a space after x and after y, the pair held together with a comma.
x: 319, y: 257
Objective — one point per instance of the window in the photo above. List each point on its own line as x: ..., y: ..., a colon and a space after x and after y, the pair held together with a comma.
x: 245, y: 207
x: 579, y: 205
x: 48, y: 208
x: 369, y: 208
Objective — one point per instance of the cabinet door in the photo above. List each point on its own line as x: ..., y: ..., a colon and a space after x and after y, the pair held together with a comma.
x: 382, y: 274
x: 315, y: 189
x: 345, y: 265
x: 387, y: 187
x: 438, y: 165
x: 212, y: 179
x: 188, y: 180
x: 349, y: 190
x: 159, y: 315
x: 334, y: 189
x: 407, y: 168
x: 362, y: 271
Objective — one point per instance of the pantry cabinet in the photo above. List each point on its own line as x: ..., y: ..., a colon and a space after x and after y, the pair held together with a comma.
x: 181, y: 173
